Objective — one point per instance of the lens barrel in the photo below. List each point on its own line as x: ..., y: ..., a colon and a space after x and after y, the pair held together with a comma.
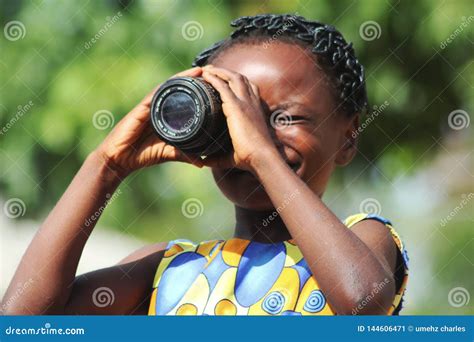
x: 186, y: 112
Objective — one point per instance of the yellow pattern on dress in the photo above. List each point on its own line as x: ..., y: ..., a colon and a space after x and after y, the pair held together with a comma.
x: 242, y: 277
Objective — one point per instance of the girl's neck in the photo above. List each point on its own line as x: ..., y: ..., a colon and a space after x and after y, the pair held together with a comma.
x: 262, y: 226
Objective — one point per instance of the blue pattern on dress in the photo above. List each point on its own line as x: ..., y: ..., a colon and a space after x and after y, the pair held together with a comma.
x: 303, y: 272
x: 176, y: 280
x: 214, y: 271
x: 259, y: 268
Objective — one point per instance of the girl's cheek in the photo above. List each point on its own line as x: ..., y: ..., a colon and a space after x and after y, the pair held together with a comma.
x: 309, y: 143
x: 293, y: 136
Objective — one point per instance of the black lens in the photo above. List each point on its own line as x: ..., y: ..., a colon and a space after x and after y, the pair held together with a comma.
x: 178, y: 111
x: 187, y: 113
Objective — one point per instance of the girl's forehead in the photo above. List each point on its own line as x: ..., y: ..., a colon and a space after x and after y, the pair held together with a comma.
x: 284, y: 72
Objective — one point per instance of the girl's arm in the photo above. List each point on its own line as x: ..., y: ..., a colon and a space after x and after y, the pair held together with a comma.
x: 121, y: 289
x: 348, y: 262
x: 49, y: 264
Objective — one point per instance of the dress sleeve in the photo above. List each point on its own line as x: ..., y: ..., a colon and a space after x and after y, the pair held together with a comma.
x: 401, y: 272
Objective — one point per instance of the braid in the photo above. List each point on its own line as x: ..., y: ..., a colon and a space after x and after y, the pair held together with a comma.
x: 335, y: 54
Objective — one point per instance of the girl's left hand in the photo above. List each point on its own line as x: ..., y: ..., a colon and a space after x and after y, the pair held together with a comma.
x: 245, y: 116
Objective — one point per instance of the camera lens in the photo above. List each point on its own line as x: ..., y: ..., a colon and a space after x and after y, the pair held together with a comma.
x: 187, y: 112
x: 178, y: 111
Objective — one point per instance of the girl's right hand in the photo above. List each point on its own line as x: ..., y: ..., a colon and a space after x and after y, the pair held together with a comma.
x: 133, y: 144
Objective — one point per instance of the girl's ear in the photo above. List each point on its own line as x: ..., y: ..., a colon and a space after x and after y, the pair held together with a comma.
x: 348, y: 146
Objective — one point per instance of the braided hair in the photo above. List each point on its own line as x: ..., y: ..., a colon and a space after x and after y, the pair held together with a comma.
x: 333, y: 53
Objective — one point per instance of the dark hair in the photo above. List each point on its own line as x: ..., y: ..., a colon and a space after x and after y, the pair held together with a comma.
x: 333, y: 53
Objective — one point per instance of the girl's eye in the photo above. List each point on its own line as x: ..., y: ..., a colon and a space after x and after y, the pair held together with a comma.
x: 285, y: 118
x: 297, y: 118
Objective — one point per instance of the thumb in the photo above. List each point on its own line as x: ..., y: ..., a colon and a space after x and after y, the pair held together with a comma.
x: 189, y: 158
x: 220, y: 162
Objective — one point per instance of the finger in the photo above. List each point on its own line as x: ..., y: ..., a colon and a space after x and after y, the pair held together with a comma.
x: 193, y: 72
x: 146, y: 137
x: 237, y: 82
x: 163, y: 152
x: 220, y: 162
x: 227, y: 95
x: 189, y: 158
x: 255, y: 89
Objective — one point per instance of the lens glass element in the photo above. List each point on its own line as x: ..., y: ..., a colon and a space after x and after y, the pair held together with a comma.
x: 178, y: 111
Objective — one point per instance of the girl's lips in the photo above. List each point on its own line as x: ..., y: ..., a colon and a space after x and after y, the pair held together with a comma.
x: 297, y: 168
x: 294, y: 166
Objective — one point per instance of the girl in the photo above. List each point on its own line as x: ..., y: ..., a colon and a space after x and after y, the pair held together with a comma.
x: 292, y: 93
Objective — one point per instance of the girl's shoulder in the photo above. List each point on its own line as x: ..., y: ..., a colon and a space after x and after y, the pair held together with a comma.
x: 401, y: 270
x: 351, y: 220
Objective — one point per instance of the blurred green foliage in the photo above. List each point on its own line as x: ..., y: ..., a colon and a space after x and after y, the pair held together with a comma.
x: 67, y: 83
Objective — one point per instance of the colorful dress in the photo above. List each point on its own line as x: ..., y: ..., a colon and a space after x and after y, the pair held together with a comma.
x: 242, y: 277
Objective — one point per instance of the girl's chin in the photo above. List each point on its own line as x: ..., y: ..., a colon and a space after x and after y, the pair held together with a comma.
x: 243, y: 189
x: 258, y: 205
x: 251, y: 198
x: 246, y: 192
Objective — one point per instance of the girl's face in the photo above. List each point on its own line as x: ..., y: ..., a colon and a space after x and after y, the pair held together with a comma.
x: 314, y: 136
